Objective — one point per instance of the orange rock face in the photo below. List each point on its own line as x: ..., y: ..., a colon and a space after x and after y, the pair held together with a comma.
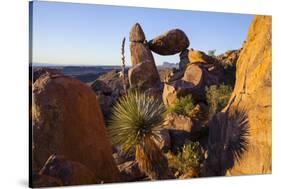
x: 240, y: 135
x: 67, y: 120
x: 253, y: 92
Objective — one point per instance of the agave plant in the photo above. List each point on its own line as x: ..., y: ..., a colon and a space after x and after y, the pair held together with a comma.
x: 135, y: 123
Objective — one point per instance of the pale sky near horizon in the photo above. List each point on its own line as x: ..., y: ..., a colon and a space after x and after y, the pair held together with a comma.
x: 87, y: 34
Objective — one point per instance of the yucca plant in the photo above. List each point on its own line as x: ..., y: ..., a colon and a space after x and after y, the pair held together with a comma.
x: 134, y: 124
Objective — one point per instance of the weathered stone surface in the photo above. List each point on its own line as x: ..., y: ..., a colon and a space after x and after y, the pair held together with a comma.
x: 163, y: 141
x: 252, y: 94
x: 67, y: 120
x: 45, y: 181
x: 169, y: 43
x: 69, y: 172
x: 253, y: 91
x: 183, y: 59
x: 229, y: 58
x: 140, y: 53
x: 130, y: 171
x: 144, y: 75
x: 100, y: 87
x: 108, y: 88
x: 178, y: 122
x: 199, y: 56
x: 137, y: 34
x: 194, y: 81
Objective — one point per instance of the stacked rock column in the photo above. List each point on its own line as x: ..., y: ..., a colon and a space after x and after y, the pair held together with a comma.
x: 143, y: 74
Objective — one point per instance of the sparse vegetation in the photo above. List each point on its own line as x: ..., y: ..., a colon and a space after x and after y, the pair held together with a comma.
x: 183, y: 106
x: 135, y: 121
x: 217, y: 97
x: 211, y: 52
x: 188, y: 159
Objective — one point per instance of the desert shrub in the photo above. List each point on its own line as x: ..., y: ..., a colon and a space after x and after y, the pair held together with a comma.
x: 188, y: 159
x: 211, y: 52
x: 217, y: 97
x: 135, y: 121
x: 183, y: 106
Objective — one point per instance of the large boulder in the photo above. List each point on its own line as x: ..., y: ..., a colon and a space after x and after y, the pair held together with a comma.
x: 66, y: 119
x: 198, y: 56
x: 244, y: 126
x: 196, y: 78
x: 169, y: 43
x: 108, y: 88
x: 178, y: 122
x: 69, y: 172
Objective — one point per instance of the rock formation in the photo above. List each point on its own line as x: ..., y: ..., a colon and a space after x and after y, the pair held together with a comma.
x: 67, y: 120
x: 144, y: 73
x: 242, y: 144
x: 196, y: 77
x: 169, y: 43
x: 69, y: 172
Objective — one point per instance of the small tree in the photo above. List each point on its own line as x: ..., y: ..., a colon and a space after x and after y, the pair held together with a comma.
x: 135, y: 121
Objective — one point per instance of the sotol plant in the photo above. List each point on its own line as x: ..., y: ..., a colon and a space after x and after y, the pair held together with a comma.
x: 135, y: 121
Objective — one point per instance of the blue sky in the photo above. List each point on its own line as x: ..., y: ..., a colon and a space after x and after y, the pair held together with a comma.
x: 86, y: 34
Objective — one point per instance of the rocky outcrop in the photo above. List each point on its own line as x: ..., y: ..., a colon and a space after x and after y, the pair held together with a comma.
x: 199, y: 56
x: 69, y: 172
x: 178, y: 122
x: 67, y: 120
x: 253, y: 92
x: 108, y: 88
x: 130, y: 171
x: 169, y: 43
x: 144, y: 73
x: 194, y: 81
x: 244, y: 127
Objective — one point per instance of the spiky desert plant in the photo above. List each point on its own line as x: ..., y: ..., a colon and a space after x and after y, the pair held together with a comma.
x: 135, y: 122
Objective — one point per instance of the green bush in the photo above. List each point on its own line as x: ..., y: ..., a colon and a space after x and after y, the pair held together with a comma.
x: 183, y: 106
x: 217, y: 97
x: 189, y: 159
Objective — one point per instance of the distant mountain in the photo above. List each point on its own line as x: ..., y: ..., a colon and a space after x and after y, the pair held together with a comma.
x: 169, y: 65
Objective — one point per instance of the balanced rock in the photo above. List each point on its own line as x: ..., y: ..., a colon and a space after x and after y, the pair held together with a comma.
x: 169, y: 43
x: 137, y: 34
x: 69, y: 172
x: 67, y: 120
